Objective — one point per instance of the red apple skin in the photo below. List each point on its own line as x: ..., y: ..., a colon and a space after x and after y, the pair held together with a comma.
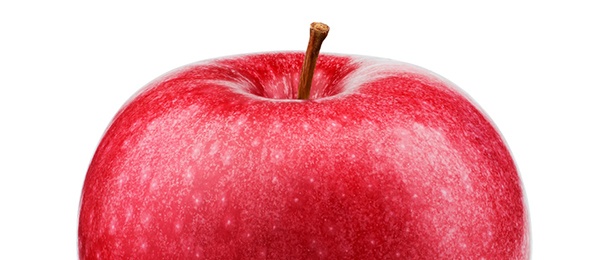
x: 218, y: 160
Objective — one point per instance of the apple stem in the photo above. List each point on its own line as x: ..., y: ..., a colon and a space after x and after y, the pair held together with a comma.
x: 318, y: 33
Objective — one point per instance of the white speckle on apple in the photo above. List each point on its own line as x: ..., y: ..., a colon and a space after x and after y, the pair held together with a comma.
x: 144, y: 175
x: 121, y: 179
x: 241, y: 120
x: 113, y: 228
x: 311, y: 179
x: 196, y: 152
x: 214, y: 148
x: 154, y: 185
x: 126, y: 144
x: 227, y: 158
x: 129, y: 212
x: 189, y: 175
x: 277, y: 156
x: 263, y: 153
x: 255, y: 142
x: 145, y: 218
x: 446, y: 195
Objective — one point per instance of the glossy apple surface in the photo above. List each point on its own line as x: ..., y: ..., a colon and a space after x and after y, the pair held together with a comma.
x: 218, y: 160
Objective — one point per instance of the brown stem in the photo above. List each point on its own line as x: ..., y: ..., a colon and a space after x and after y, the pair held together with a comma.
x: 318, y: 33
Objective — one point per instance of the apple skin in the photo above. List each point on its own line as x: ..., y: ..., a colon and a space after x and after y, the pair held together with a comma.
x: 218, y: 160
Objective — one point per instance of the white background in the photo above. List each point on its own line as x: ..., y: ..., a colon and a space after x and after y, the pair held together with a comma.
x: 540, y: 70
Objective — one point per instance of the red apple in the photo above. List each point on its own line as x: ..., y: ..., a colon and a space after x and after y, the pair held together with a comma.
x: 219, y: 160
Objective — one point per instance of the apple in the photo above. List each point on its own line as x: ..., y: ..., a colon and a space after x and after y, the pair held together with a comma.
x: 220, y: 159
